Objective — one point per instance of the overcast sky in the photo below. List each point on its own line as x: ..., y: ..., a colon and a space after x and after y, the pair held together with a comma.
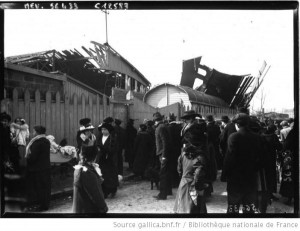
x: 156, y: 42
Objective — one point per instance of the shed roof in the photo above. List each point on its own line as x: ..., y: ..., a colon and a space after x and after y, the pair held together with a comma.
x: 194, y: 96
x: 202, y: 98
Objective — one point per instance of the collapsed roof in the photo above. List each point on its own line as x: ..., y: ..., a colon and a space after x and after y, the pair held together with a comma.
x: 233, y: 89
x: 101, y: 68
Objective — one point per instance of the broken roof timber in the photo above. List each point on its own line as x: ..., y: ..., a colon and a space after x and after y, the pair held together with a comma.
x: 113, y: 61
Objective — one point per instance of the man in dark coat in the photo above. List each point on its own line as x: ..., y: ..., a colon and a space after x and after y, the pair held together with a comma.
x: 213, y: 133
x: 120, y: 136
x: 38, y: 168
x: 162, y: 140
x: 175, y: 129
x: 229, y: 128
x: 271, y: 145
x: 241, y: 165
x: 130, y: 134
x: 142, y: 151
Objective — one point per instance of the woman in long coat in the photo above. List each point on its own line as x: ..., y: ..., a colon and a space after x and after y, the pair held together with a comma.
x: 39, y: 169
x: 142, y: 151
x: 88, y: 195
x: 192, y: 168
x: 108, y: 159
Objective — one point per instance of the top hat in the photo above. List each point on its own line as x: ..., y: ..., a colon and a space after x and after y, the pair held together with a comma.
x: 190, y: 114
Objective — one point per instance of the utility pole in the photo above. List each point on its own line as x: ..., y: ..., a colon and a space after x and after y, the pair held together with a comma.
x: 106, y: 32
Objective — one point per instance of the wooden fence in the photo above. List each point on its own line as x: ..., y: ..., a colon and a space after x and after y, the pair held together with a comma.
x: 60, y: 117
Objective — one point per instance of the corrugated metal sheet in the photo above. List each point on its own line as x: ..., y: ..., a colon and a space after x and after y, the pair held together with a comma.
x: 167, y: 94
x: 177, y: 95
x: 157, y: 97
x: 202, y: 98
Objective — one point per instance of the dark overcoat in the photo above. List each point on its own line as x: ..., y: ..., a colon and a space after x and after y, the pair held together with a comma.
x: 174, y: 130
x: 192, y: 168
x: 227, y: 131
x: 39, y: 158
x: 271, y: 145
x: 142, y: 152
x: 88, y: 195
x: 162, y: 140
x: 130, y: 134
x: 39, y: 172
x: 243, y: 160
x: 120, y: 136
x: 108, y: 161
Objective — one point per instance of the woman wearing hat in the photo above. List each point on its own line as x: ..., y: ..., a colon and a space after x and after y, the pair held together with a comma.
x: 38, y: 168
x: 20, y: 132
x: 108, y: 159
x: 85, y: 136
x: 192, y: 168
x: 88, y: 195
x: 189, y: 118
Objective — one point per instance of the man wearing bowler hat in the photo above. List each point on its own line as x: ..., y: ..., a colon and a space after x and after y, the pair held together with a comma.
x: 162, y: 140
x: 241, y: 165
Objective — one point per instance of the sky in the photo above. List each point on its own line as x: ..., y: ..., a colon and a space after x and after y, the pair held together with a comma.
x: 156, y: 42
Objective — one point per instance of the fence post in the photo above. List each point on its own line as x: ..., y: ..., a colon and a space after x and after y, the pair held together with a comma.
x: 15, y: 111
x: 37, y: 107
x: 97, y: 109
x: 57, y: 112
x: 91, y: 108
x: 66, y: 117
x: 27, y: 105
x: 74, y: 118
x: 49, y: 126
x: 104, y: 106
x: 83, y: 106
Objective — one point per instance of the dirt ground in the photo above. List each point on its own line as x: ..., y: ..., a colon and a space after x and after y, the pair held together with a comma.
x: 135, y: 197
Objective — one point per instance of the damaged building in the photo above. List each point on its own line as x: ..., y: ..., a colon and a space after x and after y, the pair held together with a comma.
x: 219, y: 94
x: 100, y: 67
x: 58, y: 88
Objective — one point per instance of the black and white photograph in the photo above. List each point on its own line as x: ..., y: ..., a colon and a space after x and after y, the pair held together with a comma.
x: 149, y: 110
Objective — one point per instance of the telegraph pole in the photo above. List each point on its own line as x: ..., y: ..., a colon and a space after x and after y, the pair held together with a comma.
x: 106, y: 13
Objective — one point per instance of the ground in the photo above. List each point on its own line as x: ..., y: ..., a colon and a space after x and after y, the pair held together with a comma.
x: 135, y: 196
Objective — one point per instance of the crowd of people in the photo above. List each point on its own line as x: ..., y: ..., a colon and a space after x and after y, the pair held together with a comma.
x: 252, y: 156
